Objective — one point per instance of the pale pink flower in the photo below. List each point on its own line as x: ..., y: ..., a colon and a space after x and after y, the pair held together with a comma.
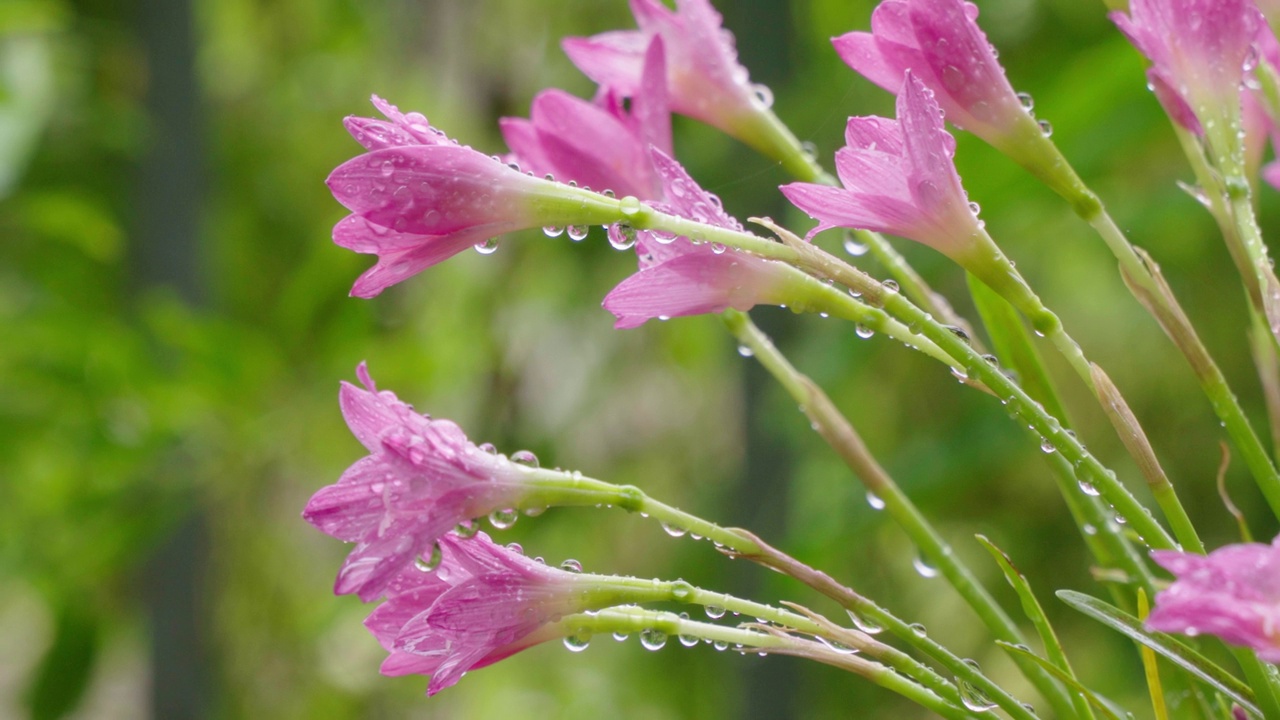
x: 1233, y: 593
x: 940, y: 42
x: 483, y: 603
x: 1198, y: 50
x: 704, y: 77
x: 678, y: 278
x: 418, y: 198
x: 421, y: 478
x: 899, y: 178
x: 599, y: 145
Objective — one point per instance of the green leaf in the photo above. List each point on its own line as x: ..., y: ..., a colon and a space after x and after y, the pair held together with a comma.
x: 1166, y: 645
x: 1035, y: 613
x: 1108, y: 709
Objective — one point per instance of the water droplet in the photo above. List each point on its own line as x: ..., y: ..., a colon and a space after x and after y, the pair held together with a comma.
x: 432, y: 561
x: 992, y: 360
x: 578, y: 641
x: 763, y: 95
x: 855, y: 248
x: 1046, y: 446
x: 622, y: 236
x: 673, y: 530
x: 1046, y: 128
x: 533, y: 511
x: 1027, y: 102
x: 608, y: 193
x: 745, y: 351
x: 687, y: 640
x: 488, y: 247
x: 810, y: 149
x: 973, y: 698
x: 488, y: 448
x: 890, y: 286
x: 662, y: 236
x: 1087, y: 488
x: 516, y: 548
x: 720, y: 645
x: 552, y: 231
x: 503, y: 519
x: 1120, y: 519
x: 620, y: 636
x: 875, y: 501
x: 681, y: 591
x: 1090, y: 530
x: 715, y: 612
x: 864, y: 624
x: 922, y: 567
x: 629, y: 205
x: 467, y: 528
x: 388, y: 168
x: 718, y: 248
x: 577, y: 232
x: 652, y: 639
x: 525, y: 457
x: 571, y: 565
x: 974, y: 207
x: 918, y: 629
x: 863, y: 331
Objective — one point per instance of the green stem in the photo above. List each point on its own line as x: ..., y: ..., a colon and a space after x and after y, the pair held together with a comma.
x: 1012, y: 342
x: 842, y: 437
x: 1143, y: 278
x: 873, y: 618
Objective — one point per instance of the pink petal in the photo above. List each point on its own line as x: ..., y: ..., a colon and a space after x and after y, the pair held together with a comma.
x: 861, y: 51
x: 369, y: 414
x: 694, y: 284
x: 522, y: 137
x: 429, y: 190
x: 652, y: 107
x: 874, y: 133
x: 354, y: 506
x: 961, y: 58
x: 610, y: 59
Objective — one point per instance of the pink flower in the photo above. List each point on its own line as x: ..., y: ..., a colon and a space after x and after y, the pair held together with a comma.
x: 898, y: 178
x: 481, y: 604
x: 1197, y: 50
x: 1233, y: 593
x: 418, y: 198
x: 678, y: 278
x: 703, y: 74
x: 421, y: 478
x: 600, y: 144
x: 940, y: 42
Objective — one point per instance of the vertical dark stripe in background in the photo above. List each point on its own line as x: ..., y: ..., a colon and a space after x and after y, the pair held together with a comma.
x: 165, y: 253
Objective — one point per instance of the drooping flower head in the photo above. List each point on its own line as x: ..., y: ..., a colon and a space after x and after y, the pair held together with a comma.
x: 484, y: 602
x: 704, y: 78
x: 1233, y: 593
x: 940, y: 42
x: 1198, y: 50
x: 601, y: 144
x: 421, y: 478
x: 418, y: 198
x: 679, y: 278
x: 899, y: 178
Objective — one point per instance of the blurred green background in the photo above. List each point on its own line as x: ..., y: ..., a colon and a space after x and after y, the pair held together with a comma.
x: 174, y: 322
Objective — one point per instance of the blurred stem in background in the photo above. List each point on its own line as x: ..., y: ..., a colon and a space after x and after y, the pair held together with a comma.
x: 165, y: 253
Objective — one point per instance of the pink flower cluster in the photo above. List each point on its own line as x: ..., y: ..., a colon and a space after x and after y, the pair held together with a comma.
x: 422, y: 477
x: 483, y: 602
